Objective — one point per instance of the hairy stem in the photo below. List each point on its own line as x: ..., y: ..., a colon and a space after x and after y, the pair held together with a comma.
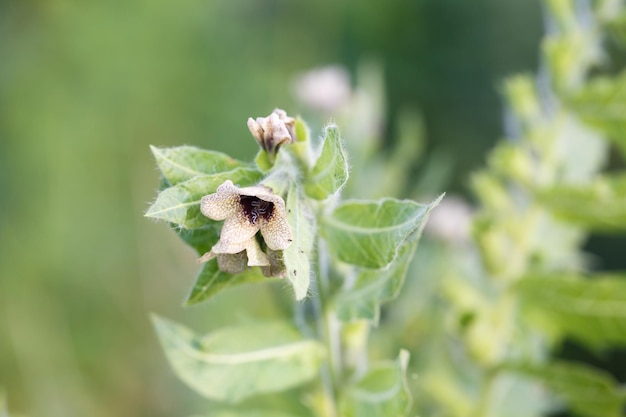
x: 328, y: 330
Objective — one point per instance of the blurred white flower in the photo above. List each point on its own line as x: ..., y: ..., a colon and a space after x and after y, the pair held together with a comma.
x: 450, y: 221
x: 326, y: 89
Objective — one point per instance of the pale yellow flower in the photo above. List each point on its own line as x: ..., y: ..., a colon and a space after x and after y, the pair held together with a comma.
x: 272, y: 131
x: 245, y: 212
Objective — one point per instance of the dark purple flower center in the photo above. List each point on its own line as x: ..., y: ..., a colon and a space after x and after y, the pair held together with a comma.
x: 254, y: 207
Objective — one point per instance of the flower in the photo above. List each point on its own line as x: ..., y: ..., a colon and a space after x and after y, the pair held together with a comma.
x: 272, y: 131
x: 245, y: 211
x: 326, y: 89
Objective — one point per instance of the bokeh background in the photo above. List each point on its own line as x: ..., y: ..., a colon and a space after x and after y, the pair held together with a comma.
x: 86, y: 86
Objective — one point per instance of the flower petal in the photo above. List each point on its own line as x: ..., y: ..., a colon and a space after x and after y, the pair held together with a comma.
x: 225, y: 247
x: 222, y: 204
x: 261, y: 192
x: 276, y: 231
x: 256, y: 130
x: 238, y: 228
x: 256, y: 257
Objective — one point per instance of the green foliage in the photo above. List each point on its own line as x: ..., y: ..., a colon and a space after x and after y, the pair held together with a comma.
x: 600, y: 103
x: 373, y: 287
x: 180, y: 204
x: 370, y: 233
x: 77, y: 116
x: 298, y: 255
x: 330, y: 171
x: 588, y: 391
x: 381, y: 392
x: 598, y: 206
x: 544, y: 190
x: 232, y: 364
x: 212, y: 280
x: 591, y: 310
x: 378, y: 239
x: 495, y: 304
x: 186, y: 162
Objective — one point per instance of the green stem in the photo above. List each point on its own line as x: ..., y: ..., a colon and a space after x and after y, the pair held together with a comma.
x: 328, y: 329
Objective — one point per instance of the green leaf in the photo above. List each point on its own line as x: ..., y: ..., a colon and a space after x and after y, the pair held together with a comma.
x: 301, y: 130
x: 591, y: 310
x: 262, y: 161
x: 588, y: 391
x: 235, y: 363
x: 370, y: 233
x: 211, y: 280
x: 601, y: 104
x: 330, y: 171
x: 373, y: 287
x: 296, y: 256
x: 180, y: 204
x: 599, y: 206
x: 382, y: 392
x: 182, y: 163
x: 202, y: 238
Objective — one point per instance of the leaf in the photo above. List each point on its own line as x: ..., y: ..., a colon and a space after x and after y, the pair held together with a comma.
x: 369, y: 233
x: 382, y: 392
x: 588, y: 391
x: 591, y: 310
x: 601, y: 104
x: 211, y: 280
x: 231, y: 364
x: 296, y: 256
x: 330, y: 171
x: 301, y: 130
x: 202, y: 238
x: 182, y: 163
x: 373, y: 287
x: 180, y: 204
x: 599, y: 206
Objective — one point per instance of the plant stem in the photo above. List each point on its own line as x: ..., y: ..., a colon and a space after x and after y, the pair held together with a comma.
x: 328, y: 329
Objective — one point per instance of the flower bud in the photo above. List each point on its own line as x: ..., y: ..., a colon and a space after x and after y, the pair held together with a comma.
x: 273, y: 131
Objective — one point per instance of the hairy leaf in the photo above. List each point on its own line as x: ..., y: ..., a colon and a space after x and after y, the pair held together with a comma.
x: 180, y: 204
x: 202, y: 238
x: 592, y: 310
x: 600, y: 205
x: 182, y: 163
x: 212, y: 280
x: 296, y: 256
x: 235, y: 363
x: 330, y: 171
x: 373, y: 287
x: 369, y: 233
x: 588, y: 391
x: 382, y: 392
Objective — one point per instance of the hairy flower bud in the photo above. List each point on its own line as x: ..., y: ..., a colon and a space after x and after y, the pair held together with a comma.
x: 273, y: 131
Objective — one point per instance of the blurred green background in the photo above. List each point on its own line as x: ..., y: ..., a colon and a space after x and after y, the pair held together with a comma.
x: 86, y: 86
